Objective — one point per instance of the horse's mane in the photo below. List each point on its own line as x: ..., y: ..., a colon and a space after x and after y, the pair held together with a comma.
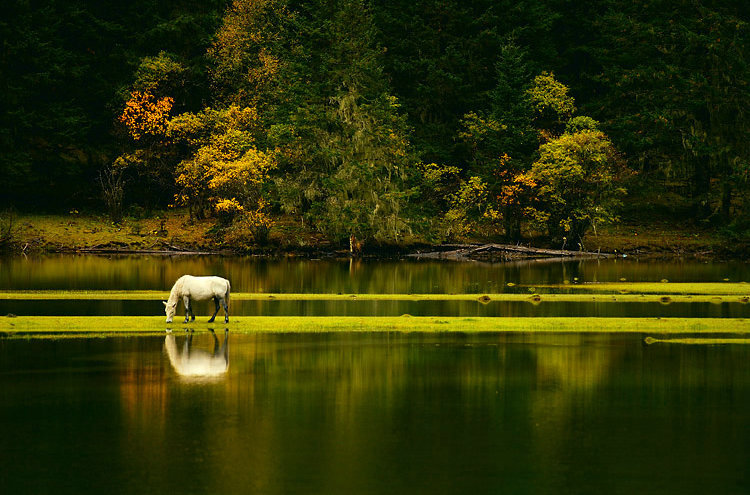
x: 176, y: 292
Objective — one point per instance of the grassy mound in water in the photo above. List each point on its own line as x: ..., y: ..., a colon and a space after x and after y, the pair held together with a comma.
x: 35, y: 325
x: 685, y: 288
x: 697, y: 341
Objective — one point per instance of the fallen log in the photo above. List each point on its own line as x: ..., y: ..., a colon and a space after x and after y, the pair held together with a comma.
x: 505, y: 252
x: 141, y: 251
x: 159, y: 247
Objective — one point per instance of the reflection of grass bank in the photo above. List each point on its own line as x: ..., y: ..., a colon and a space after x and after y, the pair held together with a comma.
x: 695, y: 293
x: 303, y: 324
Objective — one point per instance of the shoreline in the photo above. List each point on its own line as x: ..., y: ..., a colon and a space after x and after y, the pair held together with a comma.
x: 172, y: 234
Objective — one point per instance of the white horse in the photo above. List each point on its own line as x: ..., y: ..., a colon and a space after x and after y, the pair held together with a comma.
x: 190, y: 288
x: 198, y: 362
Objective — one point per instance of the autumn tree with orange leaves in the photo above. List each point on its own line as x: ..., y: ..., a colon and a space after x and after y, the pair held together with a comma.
x: 145, y: 115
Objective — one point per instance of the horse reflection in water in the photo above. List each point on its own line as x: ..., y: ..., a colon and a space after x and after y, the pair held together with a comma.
x: 198, y: 363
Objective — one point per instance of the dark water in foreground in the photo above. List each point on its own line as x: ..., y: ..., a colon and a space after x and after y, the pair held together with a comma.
x: 373, y: 413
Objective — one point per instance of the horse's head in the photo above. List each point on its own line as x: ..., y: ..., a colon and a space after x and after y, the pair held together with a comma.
x: 170, y: 308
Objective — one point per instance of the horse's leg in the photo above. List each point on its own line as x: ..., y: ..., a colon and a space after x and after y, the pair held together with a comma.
x: 216, y: 342
x: 188, y: 344
x: 188, y: 309
x: 226, y: 310
x: 225, y: 346
x: 216, y: 302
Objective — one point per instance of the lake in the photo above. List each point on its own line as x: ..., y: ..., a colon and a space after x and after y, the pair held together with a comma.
x: 249, y: 274
x: 375, y: 413
x: 361, y: 413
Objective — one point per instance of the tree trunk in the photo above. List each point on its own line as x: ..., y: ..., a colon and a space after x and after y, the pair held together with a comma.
x: 726, y: 200
x: 701, y: 190
x: 512, y: 225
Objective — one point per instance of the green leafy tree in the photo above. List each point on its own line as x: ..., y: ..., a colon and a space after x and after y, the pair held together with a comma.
x: 314, y: 70
x: 552, y: 104
x: 522, y: 113
x: 534, y: 159
x: 579, y: 179
x: 365, y: 192
x: 513, y: 152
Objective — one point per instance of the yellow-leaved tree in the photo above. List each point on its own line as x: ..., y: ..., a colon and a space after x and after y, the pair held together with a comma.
x: 225, y: 172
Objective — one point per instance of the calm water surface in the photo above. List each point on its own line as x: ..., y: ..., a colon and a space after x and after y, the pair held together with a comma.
x: 249, y: 274
x: 373, y: 413
x: 379, y: 413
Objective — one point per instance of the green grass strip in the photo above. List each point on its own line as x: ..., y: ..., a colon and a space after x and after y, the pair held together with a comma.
x: 298, y: 324
x: 483, y: 298
x: 697, y: 341
x: 85, y: 295
x: 701, y: 288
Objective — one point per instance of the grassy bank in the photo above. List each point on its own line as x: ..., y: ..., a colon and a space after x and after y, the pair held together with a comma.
x: 173, y: 229
x: 166, y: 231
x: 30, y: 325
x: 74, y: 231
x: 663, y: 238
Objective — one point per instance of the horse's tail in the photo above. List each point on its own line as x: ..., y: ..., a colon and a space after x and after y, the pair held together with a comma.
x: 226, y: 296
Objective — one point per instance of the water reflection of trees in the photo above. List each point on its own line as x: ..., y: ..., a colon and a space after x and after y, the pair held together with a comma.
x: 298, y: 275
x: 334, y: 409
x: 344, y: 402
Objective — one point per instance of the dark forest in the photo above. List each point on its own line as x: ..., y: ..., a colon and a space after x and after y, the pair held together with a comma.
x: 436, y: 119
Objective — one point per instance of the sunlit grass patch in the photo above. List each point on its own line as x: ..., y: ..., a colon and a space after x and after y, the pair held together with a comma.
x: 685, y: 288
x: 75, y: 295
x: 82, y: 231
x: 698, y: 341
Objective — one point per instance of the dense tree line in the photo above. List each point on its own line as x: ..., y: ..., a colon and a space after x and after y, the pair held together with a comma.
x: 64, y: 67
x: 380, y: 119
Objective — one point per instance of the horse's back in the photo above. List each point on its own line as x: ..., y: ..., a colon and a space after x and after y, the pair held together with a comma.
x: 205, y: 287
